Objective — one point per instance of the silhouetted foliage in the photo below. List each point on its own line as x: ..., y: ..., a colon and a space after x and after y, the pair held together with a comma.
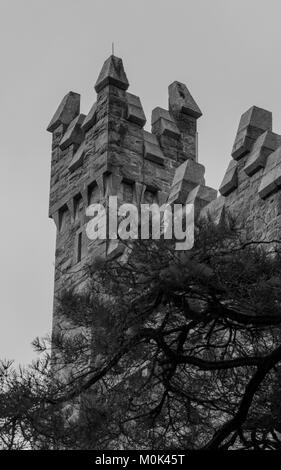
x: 168, y: 350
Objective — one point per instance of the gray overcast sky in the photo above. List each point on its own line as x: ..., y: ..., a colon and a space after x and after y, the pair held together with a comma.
x: 226, y: 51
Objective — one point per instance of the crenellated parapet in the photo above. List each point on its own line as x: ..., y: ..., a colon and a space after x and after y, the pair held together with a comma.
x: 250, y: 190
x: 108, y: 152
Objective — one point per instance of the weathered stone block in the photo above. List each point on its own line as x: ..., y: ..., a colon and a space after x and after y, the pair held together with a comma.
x: 273, y: 160
x: 270, y: 182
x: 230, y: 180
x: 252, y: 124
x: 243, y: 144
x: 164, y: 124
x: 77, y: 159
x: 74, y: 133
x: 190, y: 171
x: 264, y: 146
x: 271, y: 179
x: 152, y: 150
x: 112, y: 73
x: 68, y: 109
x: 90, y: 119
x: 135, y: 111
x: 188, y: 175
x: 181, y: 100
x: 160, y: 113
x: 256, y: 117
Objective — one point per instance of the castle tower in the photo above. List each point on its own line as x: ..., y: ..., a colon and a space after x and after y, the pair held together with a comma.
x: 108, y: 152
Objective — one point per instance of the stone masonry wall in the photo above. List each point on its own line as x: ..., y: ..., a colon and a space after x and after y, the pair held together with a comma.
x: 108, y: 152
x: 250, y: 190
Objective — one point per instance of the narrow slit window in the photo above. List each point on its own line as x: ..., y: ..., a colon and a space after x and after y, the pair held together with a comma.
x: 79, y: 247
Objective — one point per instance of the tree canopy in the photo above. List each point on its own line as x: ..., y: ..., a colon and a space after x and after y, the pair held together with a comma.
x: 169, y: 350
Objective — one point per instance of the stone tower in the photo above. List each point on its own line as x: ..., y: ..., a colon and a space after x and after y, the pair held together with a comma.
x: 108, y: 152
